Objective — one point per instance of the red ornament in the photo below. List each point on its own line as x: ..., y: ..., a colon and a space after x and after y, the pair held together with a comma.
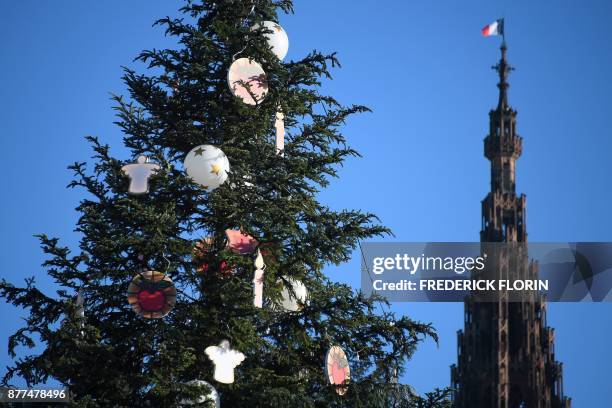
x: 223, y: 267
x: 202, y: 254
x: 152, y: 294
x: 338, y: 373
x: 151, y: 301
x: 338, y: 369
x: 240, y: 243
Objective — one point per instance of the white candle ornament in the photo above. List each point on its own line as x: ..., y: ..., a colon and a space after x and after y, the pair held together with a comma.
x: 245, y: 73
x: 225, y: 360
x: 207, y: 165
x: 279, y: 124
x: 139, y: 174
x: 260, y: 266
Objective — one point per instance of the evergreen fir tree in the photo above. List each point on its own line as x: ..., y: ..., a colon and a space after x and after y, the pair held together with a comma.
x: 113, y: 357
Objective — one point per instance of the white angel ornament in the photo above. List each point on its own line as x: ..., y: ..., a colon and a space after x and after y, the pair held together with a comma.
x: 225, y: 360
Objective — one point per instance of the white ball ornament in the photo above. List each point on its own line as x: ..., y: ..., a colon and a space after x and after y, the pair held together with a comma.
x: 277, y: 39
x: 207, y: 166
x: 293, y: 300
x: 211, y: 396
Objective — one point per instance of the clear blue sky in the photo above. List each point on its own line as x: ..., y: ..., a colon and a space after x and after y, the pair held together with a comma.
x: 423, y: 68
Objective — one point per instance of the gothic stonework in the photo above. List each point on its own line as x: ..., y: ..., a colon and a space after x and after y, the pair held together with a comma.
x: 506, y: 351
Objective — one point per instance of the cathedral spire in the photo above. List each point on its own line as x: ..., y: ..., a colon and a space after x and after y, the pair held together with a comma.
x: 506, y: 353
x: 503, y: 69
x: 503, y: 145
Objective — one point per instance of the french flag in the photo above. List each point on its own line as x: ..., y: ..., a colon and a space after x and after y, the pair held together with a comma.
x: 495, y: 28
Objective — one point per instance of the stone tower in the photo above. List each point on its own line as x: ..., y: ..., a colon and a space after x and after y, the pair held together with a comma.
x: 506, y: 355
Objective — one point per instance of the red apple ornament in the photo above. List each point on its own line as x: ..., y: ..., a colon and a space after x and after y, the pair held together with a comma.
x: 151, y: 301
x: 152, y: 294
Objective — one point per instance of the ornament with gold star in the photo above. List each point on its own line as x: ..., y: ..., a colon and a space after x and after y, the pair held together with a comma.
x: 207, y: 166
x: 276, y: 37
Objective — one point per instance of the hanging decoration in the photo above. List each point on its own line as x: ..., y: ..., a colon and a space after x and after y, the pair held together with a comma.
x: 276, y: 37
x: 247, y: 80
x: 201, y: 254
x: 240, y: 243
x: 225, y: 360
x: 207, y: 166
x: 152, y: 294
x: 237, y: 242
x: 80, y: 304
x: 207, y: 397
x: 279, y: 125
x: 139, y: 174
x: 293, y: 299
x: 80, y: 310
x: 338, y: 369
x: 203, y: 257
x: 224, y: 267
x: 260, y: 266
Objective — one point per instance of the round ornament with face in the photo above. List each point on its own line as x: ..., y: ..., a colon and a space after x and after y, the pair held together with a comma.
x: 247, y: 81
x: 338, y: 369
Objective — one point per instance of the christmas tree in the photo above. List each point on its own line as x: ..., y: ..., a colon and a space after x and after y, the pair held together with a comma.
x: 166, y: 266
